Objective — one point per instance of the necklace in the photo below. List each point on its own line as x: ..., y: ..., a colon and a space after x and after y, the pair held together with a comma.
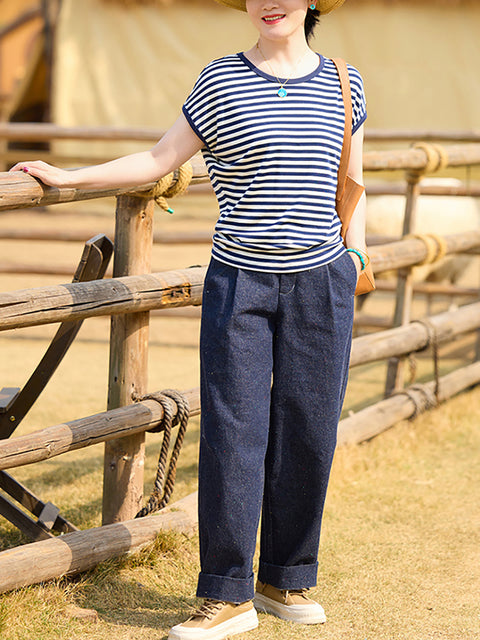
x: 281, y: 92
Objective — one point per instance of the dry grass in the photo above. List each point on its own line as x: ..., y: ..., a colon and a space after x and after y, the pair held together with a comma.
x: 400, y: 547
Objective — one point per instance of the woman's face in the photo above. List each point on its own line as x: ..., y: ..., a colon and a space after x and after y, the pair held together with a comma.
x: 278, y: 19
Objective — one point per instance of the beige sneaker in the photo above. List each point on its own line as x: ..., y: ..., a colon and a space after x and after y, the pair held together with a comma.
x: 216, y: 620
x: 293, y: 604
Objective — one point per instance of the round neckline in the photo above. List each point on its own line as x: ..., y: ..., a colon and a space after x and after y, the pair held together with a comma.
x: 290, y: 81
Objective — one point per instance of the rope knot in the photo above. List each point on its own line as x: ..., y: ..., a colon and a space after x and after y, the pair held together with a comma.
x: 436, y: 159
x: 171, y: 185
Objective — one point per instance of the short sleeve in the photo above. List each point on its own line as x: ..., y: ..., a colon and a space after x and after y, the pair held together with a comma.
x: 200, y: 107
x: 359, y: 105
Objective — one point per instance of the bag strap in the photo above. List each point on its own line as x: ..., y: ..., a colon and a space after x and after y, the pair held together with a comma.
x: 347, y: 135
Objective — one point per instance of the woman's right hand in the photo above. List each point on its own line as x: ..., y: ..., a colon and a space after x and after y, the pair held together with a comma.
x: 48, y: 174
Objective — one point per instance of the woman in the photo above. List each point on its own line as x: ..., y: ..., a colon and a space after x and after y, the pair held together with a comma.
x: 277, y: 311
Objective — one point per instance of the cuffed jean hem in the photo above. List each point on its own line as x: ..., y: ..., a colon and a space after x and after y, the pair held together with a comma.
x: 227, y: 589
x: 301, y: 576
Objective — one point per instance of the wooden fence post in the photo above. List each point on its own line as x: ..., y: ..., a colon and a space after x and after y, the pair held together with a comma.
x: 124, y: 458
x: 403, y: 302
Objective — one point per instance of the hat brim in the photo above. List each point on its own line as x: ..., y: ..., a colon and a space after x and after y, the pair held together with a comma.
x: 324, y: 6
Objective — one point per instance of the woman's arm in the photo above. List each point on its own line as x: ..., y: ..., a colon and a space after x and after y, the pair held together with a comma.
x: 177, y: 146
x: 355, y: 237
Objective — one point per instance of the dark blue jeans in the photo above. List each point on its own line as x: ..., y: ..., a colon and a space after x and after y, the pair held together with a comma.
x: 274, y: 363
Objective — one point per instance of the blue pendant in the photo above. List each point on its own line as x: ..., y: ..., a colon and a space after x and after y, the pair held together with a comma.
x: 281, y: 93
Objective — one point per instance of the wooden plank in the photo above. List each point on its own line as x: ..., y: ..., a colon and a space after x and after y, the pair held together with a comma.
x: 79, y: 551
x: 398, y: 188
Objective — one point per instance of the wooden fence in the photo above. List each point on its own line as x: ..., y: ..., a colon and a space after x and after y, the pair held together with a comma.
x: 129, y: 297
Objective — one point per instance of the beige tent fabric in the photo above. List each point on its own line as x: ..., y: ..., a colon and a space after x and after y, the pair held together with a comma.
x: 134, y: 66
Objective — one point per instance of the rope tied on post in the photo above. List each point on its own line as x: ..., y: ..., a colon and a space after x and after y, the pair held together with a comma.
x: 433, y: 342
x: 175, y: 411
x: 423, y: 399
x: 171, y: 185
x: 435, y: 245
x: 436, y: 159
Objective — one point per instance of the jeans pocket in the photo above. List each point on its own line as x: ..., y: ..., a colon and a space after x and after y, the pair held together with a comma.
x: 349, y: 268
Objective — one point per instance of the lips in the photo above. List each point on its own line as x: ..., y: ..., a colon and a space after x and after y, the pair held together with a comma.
x: 273, y: 19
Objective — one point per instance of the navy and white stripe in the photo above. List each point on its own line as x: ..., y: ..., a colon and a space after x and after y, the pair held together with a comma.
x: 273, y: 162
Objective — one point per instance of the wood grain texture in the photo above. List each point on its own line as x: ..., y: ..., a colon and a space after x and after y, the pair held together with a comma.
x: 82, y: 550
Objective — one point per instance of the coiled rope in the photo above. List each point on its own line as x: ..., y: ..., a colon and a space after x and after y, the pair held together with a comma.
x: 175, y: 411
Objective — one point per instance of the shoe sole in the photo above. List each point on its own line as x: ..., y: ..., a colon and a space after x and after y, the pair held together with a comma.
x: 238, y: 624
x: 300, y: 613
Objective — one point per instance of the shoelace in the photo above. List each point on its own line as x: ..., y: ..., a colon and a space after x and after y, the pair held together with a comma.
x: 208, y: 609
x: 296, y: 592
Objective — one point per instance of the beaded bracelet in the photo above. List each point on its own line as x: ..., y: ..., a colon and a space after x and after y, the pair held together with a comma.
x: 360, y: 254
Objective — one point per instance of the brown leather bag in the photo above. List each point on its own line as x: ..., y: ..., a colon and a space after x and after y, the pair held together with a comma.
x: 349, y: 192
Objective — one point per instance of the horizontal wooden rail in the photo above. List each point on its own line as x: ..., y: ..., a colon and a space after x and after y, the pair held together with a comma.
x: 78, y: 235
x: 400, y: 189
x: 414, y: 336
x: 375, y: 419
x: 408, y: 252
x: 425, y: 135
x: 45, y: 132
x: 66, y: 555
x: 131, y: 294
x: 416, y: 159
x: 18, y: 190
x: 58, y: 439
x: 429, y: 288
x: 141, y: 416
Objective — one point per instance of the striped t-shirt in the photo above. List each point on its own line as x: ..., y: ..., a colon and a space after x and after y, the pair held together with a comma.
x: 273, y: 162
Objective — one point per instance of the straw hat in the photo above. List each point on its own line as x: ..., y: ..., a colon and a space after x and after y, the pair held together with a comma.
x: 324, y: 6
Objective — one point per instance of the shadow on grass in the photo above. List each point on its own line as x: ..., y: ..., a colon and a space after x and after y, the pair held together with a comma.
x: 158, y: 612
